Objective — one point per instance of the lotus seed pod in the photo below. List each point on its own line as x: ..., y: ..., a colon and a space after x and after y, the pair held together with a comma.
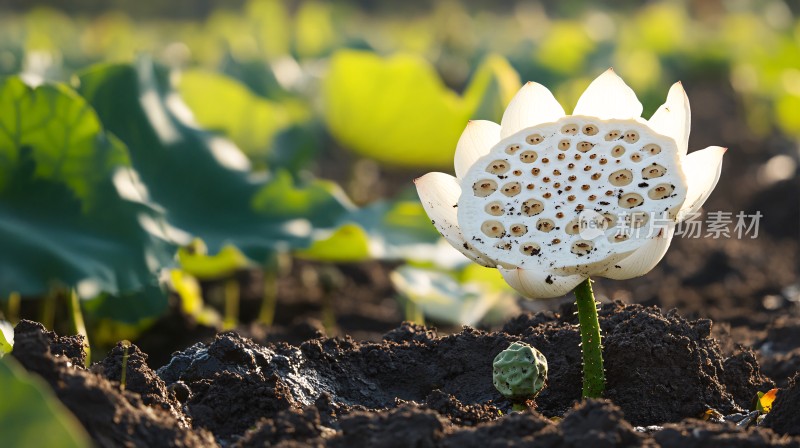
x: 519, y: 372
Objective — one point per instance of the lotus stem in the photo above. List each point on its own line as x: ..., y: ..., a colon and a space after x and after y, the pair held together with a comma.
x: 414, y: 313
x: 47, y: 312
x: 231, y: 293
x: 123, y: 378
x: 278, y: 266
x: 594, y: 380
x: 78, y: 325
x: 14, y: 302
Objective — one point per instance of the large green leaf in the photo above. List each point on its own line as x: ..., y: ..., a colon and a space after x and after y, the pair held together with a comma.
x: 398, y: 111
x: 65, y: 215
x: 31, y: 416
x: 203, y: 182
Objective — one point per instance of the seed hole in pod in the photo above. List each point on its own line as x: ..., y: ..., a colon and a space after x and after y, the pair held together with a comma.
x: 636, y: 220
x: 530, y: 249
x: 512, y: 149
x: 569, y: 129
x: 585, y: 188
x: 545, y: 225
x: 596, y: 176
x: 572, y: 178
x: 495, y: 208
x: 585, y: 146
x: 652, y: 148
x: 591, y: 196
x: 590, y: 129
x: 653, y: 171
x: 603, y: 161
x: 636, y: 157
x: 618, y: 151
x: 493, y: 229
x: 573, y: 227
x: 620, y: 237
x: 559, y: 215
x: 571, y: 166
x: 579, y: 207
x: 555, y: 241
x: 556, y: 173
x: 562, y: 156
x: 564, y: 144
x: 609, y: 193
x: 620, y: 178
x: 587, y: 168
x: 536, y: 171
x: 557, y: 185
x: 568, y: 188
x: 631, y: 136
x: 660, y: 191
x: 529, y: 187
x: 545, y: 160
x: 547, y: 195
x: 545, y: 179
x: 483, y: 188
x: 593, y: 156
x: 532, y: 207
x: 518, y: 229
x: 630, y: 200
x: 581, y: 248
x: 610, y: 219
x: 612, y: 135
x: 534, y: 139
x: 571, y: 197
x: 528, y: 156
x: 577, y: 157
x: 511, y: 189
x: 498, y: 167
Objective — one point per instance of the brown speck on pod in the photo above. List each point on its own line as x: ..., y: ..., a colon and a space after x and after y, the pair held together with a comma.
x: 555, y: 241
x: 593, y: 156
x: 532, y: 207
x: 636, y: 157
x: 636, y: 220
x: 610, y: 219
x: 559, y: 215
x: 571, y: 166
x: 556, y: 173
x: 503, y: 245
x: 660, y: 191
x: 568, y: 188
x: 591, y: 196
x: 498, y: 167
x: 620, y: 178
x: 652, y: 148
x: 545, y: 225
x: 545, y: 179
x: 493, y: 229
x: 483, y: 188
x: 581, y: 247
x: 530, y: 249
x: 596, y: 176
x: 572, y: 178
x: 609, y: 193
x: 529, y: 187
x: 585, y: 146
x: 603, y: 161
x: 569, y: 129
x: 653, y: 171
x: 536, y: 171
x: 612, y: 135
x: 534, y: 139
x: 573, y: 227
x: 590, y: 129
x: 579, y: 207
x: 547, y: 195
x: 618, y: 151
x: 518, y: 229
x: 562, y: 156
x: 545, y: 160
x: 528, y: 156
x: 577, y: 157
x: 557, y: 185
x: 631, y: 136
x: 586, y: 188
x: 495, y: 208
x: 512, y: 149
x: 571, y: 197
x: 587, y: 168
x: 630, y: 200
x: 618, y: 238
x: 511, y: 189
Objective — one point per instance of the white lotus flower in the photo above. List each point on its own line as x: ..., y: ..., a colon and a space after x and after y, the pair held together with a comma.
x: 551, y: 199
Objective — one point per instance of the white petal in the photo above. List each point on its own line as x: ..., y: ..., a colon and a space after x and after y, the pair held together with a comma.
x: 702, y: 169
x: 609, y: 97
x: 477, y: 139
x: 540, y: 284
x: 674, y: 118
x: 642, y: 260
x: 532, y: 105
x: 439, y: 194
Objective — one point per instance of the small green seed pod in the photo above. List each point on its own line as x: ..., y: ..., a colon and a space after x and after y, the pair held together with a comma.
x: 520, y: 372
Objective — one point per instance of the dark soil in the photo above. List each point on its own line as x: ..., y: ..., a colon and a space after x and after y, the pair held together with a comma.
x: 416, y: 388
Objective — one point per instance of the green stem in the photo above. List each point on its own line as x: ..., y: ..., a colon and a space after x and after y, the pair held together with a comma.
x: 231, y: 318
x: 48, y: 309
x: 269, y: 301
x: 123, y: 378
x: 78, y: 325
x: 518, y: 407
x: 594, y: 380
x: 414, y: 313
x: 14, y: 302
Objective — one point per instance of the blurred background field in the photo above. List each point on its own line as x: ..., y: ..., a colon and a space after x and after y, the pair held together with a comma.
x: 298, y: 126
